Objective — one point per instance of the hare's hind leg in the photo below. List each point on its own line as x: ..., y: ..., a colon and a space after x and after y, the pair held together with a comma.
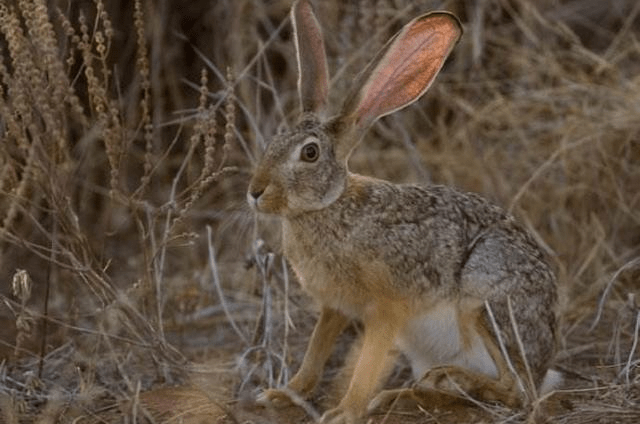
x: 408, y: 398
x: 460, y: 381
x: 478, y: 371
x: 450, y: 384
x: 329, y: 326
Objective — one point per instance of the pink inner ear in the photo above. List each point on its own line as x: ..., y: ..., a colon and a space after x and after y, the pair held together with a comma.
x: 408, y: 67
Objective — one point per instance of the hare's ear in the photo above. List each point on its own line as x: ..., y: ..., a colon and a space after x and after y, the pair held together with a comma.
x: 401, y: 72
x: 313, y: 75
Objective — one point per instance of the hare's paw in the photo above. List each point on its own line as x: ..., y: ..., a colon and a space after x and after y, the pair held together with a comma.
x: 443, y: 379
x: 384, y: 400
x: 453, y: 380
x: 278, y: 398
x: 339, y: 416
x: 461, y: 382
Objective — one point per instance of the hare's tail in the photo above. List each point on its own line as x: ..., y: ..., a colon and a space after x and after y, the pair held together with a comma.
x: 552, y: 380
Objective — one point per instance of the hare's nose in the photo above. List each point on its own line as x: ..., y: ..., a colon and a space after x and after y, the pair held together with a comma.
x: 255, y: 194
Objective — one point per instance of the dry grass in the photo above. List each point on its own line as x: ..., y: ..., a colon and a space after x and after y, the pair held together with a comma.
x: 136, y: 285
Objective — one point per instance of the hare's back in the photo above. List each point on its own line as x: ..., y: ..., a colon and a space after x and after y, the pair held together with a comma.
x: 438, y: 239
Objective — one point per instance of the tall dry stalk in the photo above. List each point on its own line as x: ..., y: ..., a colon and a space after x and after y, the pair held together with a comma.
x: 71, y: 189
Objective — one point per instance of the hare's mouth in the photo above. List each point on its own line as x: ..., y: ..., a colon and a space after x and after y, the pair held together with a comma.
x: 253, y: 201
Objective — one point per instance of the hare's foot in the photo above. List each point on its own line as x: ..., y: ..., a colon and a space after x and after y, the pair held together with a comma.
x: 279, y: 398
x: 298, y: 389
x: 460, y: 382
x: 340, y: 415
x: 386, y: 399
x: 406, y: 399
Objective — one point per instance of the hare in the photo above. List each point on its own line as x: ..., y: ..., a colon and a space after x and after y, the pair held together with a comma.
x: 444, y: 277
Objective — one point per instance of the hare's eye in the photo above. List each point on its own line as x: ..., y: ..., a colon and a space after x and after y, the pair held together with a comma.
x: 310, y: 152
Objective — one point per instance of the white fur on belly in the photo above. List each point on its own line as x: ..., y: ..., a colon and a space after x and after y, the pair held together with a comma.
x: 434, y: 339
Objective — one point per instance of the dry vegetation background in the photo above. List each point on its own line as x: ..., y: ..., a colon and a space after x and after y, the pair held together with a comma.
x: 136, y: 286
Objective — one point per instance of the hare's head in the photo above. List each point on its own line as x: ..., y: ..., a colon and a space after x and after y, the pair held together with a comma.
x: 306, y: 168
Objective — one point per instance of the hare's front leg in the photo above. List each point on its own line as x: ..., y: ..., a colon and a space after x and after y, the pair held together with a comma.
x: 329, y: 326
x: 379, y: 336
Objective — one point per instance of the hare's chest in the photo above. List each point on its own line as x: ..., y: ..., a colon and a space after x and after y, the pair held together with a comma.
x: 329, y: 272
x: 323, y: 277
x: 314, y: 254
